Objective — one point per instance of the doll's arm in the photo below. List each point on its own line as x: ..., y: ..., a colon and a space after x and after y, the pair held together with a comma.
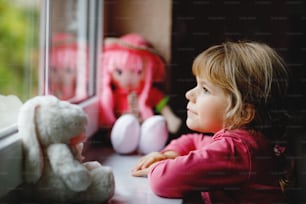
x: 161, y: 106
x: 173, y: 121
x: 71, y: 171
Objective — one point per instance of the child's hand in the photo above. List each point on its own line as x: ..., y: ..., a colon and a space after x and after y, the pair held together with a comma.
x: 141, y: 172
x: 143, y: 166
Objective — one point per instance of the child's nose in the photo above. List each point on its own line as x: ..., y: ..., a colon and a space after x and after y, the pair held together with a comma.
x: 189, y: 94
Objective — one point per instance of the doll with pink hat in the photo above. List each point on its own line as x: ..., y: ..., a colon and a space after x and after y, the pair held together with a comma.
x: 129, y: 101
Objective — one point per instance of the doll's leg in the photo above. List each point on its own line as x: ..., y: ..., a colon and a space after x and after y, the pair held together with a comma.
x: 154, y: 134
x: 125, y: 134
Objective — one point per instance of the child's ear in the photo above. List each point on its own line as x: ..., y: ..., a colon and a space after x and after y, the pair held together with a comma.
x: 248, y: 114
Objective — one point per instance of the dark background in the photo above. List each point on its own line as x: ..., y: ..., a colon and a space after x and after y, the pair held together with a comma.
x: 198, y: 25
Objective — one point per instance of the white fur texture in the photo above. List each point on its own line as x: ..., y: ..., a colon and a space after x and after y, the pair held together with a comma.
x: 46, y: 125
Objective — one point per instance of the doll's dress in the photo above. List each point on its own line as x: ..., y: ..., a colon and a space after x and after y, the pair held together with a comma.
x: 120, y: 96
x: 128, y: 135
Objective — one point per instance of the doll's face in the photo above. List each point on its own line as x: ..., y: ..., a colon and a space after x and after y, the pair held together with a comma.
x: 127, y: 78
x: 63, y: 73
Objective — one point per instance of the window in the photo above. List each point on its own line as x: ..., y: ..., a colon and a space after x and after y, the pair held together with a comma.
x: 71, y: 33
x: 46, y: 47
x: 70, y: 44
x: 18, y: 51
x: 19, y: 31
x: 19, y: 26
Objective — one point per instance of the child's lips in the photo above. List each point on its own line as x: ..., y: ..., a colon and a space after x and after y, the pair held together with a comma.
x: 190, y: 111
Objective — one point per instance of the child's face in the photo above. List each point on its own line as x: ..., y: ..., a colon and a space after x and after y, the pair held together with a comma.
x: 206, y: 107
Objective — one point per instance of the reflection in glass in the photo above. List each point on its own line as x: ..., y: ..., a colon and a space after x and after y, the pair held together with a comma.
x: 68, y: 74
x: 68, y: 59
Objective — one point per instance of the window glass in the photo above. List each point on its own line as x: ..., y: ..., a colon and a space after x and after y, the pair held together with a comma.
x: 69, y: 69
x: 19, y: 32
x: 19, y: 62
x: 47, y: 47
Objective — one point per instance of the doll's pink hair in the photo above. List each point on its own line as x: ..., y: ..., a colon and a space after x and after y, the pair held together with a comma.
x: 128, y: 49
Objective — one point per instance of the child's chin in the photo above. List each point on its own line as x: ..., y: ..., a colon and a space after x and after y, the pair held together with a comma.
x: 190, y: 124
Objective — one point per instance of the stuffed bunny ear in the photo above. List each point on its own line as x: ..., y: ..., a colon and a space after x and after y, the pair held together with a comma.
x: 33, y: 158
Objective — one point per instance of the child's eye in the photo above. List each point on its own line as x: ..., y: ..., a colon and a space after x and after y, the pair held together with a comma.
x: 205, y: 90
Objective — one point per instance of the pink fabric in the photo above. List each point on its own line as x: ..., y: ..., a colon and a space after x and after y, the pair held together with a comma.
x: 230, y: 167
x: 121, y: 103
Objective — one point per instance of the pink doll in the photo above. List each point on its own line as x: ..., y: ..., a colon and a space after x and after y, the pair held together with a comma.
x: 68, y: 68
x: 130, y: 67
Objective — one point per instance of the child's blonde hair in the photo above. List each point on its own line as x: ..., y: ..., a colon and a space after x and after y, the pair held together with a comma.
x: 252, y: 74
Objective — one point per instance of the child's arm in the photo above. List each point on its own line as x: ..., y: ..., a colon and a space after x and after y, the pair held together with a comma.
x: 187, y: 142
x: 220, y: 163
x: 143, y: 166
x: 178, y: 147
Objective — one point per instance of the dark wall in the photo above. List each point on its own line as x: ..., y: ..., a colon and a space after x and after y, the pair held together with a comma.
x: 199, y: 24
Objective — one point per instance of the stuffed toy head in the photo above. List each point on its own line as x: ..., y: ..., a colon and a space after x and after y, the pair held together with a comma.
x: 52, y: 132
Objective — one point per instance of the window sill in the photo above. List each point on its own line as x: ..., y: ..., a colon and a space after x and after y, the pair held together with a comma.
x: 11, y: 163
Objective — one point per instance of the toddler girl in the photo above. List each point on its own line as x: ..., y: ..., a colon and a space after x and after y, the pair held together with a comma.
x: 240, y: 85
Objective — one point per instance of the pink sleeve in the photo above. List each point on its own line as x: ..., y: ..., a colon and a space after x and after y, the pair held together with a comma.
x: 220, y: 163
x: 186, y: 143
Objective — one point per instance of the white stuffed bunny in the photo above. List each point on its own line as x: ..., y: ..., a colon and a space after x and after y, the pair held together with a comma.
x: 52, y: 133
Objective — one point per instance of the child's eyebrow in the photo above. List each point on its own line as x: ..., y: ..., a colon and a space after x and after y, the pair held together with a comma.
x: 202, y: 81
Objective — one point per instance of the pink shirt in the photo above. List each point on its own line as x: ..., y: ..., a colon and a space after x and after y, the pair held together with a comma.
x: 229, y: 167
